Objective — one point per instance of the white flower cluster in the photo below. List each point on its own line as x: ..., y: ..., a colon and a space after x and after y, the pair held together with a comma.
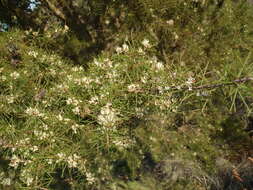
x: 90, y: 178
x: 72, y: 160
x: 76, y: 110
x: 75, y: 161
x: 43, y: 134
x: 105, y: 64
x: 5, y: 181
x: 33, y: 53
x: 62, y: 87
x: 108, y: 116
x: 189, y: 82
x: 3, y: 78
x: 27, y: 177
x: 61, y: 118
x: 94, y: 100
x: 139, y: 112
x: 15, y: 161
x: 97, y: 63
x: 15, y: 75
x: 170, y: 22
x: 75, y: 127
x: 52, y: 72
x: 146, y: 43
x: 10, y: 98
x: 73, y: 101
x: 133, y: 88
x: 163, y: 104
x: 123, y: 143
x: 33, y: 112
x: 77, y: 69
x: 113, y: 75
x: 157, y: 65
x: 122, y: 49
x: 86, y: 81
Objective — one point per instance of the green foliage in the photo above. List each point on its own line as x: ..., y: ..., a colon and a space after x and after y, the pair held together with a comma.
x: 159, y: 108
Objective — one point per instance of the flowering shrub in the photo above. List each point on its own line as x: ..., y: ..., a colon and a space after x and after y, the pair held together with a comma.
x: 129, y: 119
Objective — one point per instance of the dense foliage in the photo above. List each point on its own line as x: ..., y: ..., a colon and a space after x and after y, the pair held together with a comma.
x: 114, y: 94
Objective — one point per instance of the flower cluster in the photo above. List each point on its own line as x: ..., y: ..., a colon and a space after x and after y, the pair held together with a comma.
x: 124, y: 48
x: 34, y: 112
x: 146, y: 43
x: 108, y: 116
x: 189, y: 82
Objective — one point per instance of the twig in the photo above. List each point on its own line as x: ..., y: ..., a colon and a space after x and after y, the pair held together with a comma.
x: 241, y: 80
x: 223, y: 84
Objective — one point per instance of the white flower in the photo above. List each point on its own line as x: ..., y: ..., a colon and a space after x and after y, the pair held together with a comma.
x: 94, y: 100
x: 90, y: 178
x: 6, y: 181
x: 49, y: 161
x: 125, y: 47
x: 73, y: 160
x: 15, y: 161
x: 97, y: 63
x: 86, y: 80
x: 60, y: 118
x: 140, y: 50
x: 29, y: 180
x: 118, y: 50
x: 61, y: 156
x: 76, y: 110
x: 76, y: 69
x: 108, y: 63
x: 108, y: 116
x: 62, y: 87
x: 10, y: 99
x: 144, y: 79
x: 170, y: 22
x: 74, y: 128
x: 27, y: 177
x: 3, y: 78
x: 52, y: 71
x: 159, y: 66
x: 176, y: 36
x: 33, y: 112
x: 145, y: 43
x: 40, y: 134
x: 190, y: 81
x: 70, y: 77
x: 15, y: 75
x: 133, y: 88
x: 166, y: 88
x: 33, y: 53
x: 139, y: 112
x: 122, y: 143
x: 35, y: 148
x: 66, y: 28
x: 72, y: 101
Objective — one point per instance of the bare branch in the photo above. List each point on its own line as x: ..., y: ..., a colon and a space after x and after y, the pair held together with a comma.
x: 210, y: 86
x: 241, y: 80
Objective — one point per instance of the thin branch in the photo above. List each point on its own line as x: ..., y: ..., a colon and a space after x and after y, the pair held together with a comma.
x: 210, y: 86
x: 241, y: 80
